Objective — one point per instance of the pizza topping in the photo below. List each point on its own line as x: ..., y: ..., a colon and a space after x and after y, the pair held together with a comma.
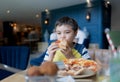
x: 77, y: 66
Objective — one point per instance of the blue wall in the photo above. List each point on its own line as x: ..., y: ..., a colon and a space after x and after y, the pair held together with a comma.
x: 78, y: 12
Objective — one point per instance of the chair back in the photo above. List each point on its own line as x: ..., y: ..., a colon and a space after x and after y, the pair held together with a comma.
x: 15, y: 56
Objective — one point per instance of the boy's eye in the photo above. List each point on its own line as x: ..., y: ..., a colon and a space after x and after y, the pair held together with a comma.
x: 67, y: 32
x: 58, y: 33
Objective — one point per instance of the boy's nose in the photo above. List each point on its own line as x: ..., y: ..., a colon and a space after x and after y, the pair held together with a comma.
x: 62, y: 36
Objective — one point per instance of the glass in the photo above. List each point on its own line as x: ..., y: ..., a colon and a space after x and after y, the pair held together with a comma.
x: 93, y: 46
x: 40, y: 79
x: 91, y: 52
x: 49, y: 79
x: 118, y: 50
x: 115, y: 67
x: 102, y: 57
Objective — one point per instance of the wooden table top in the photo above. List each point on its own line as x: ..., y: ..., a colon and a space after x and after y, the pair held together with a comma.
x: 20, y: 77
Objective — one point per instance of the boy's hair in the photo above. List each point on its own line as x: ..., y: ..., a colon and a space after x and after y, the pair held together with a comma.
x: 67, y: 21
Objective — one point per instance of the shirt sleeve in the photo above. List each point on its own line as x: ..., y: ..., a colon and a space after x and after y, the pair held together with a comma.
x: 82, y: 50
x: 46, y: 56
x: 85, y: 54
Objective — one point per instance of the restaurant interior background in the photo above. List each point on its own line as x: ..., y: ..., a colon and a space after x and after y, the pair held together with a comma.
x: 19, y: 17
x: 102, y: 15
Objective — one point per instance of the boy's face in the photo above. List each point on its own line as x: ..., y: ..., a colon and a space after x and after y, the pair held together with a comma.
x: 65, y: 32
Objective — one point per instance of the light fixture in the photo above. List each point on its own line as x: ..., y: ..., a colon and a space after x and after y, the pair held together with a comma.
x: 8, y: 11
x: 88, y: 16
x: 47, y: 11
x: 107, y: 3
x: 46, y: 22
x: 88, y: 3
x: 13, y: 24
x: 47, y: 17
x: 37, y: 15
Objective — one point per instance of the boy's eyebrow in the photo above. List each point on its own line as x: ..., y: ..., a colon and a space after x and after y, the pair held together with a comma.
x: 57, y: 31
x: 64, y: 30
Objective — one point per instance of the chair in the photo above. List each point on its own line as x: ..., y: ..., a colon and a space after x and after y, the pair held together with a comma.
x: 86, y: 42
x: 15, y: 57
x: 38, y: 61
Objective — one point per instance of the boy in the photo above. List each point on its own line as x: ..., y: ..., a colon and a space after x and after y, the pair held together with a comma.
x: 66, y: 29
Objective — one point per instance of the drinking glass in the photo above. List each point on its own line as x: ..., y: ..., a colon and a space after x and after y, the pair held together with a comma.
x: 91, y: 52
x: 102, y: 57
x: 115, y: 67
x: 40, y: 79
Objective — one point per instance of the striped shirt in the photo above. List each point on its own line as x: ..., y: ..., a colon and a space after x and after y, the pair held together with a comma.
x: 79, y: 47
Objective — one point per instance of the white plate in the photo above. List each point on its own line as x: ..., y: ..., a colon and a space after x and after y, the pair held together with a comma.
x: 86, y: 73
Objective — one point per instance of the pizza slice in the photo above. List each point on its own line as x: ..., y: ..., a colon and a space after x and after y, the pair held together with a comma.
x: 62, y: 44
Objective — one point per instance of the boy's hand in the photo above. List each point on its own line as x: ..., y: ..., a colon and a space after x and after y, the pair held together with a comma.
x: 68, y: 52
x: 51, y: 50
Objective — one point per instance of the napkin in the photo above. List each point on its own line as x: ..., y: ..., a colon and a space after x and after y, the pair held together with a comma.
x: 60, y: 64
x: 66, y: 79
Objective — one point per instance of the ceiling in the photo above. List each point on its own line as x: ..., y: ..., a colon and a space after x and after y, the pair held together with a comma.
x: 25, y: 11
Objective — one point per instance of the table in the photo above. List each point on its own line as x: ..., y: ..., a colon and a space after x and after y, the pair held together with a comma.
x: 20, y: 77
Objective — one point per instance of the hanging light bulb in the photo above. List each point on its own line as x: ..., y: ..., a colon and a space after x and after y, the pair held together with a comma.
x: 46, y: 21
x: 88, y: 3
x: 88, y: 16
x: 8, y: 11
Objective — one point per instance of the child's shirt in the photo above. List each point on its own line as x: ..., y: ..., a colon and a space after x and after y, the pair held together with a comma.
x: 80, y: 48
x: 59, y: 56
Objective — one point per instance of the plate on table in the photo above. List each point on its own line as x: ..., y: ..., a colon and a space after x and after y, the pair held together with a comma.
x: 86, y: 73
